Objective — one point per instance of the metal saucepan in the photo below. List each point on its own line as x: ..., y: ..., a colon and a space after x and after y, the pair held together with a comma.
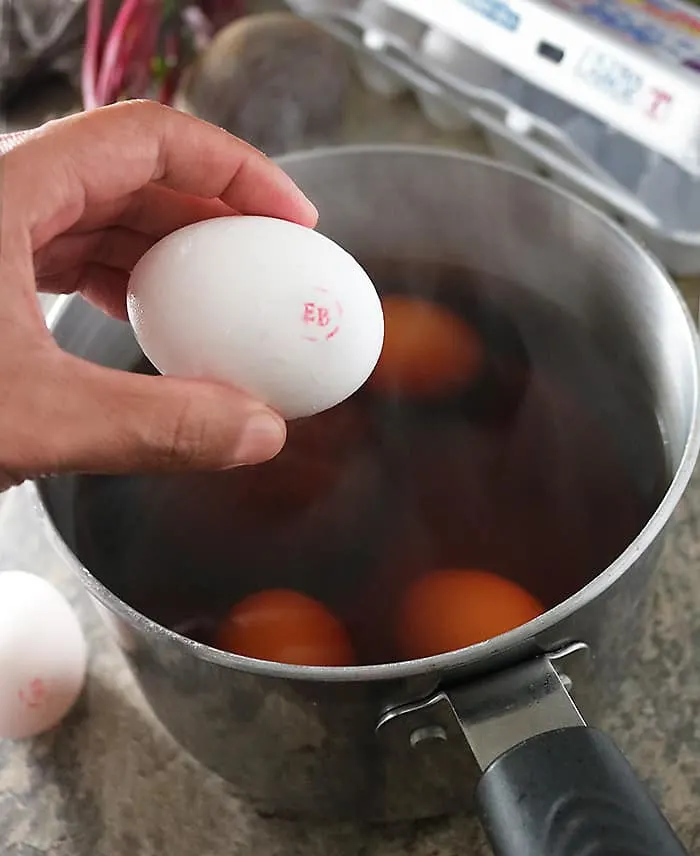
x: 502, y: 720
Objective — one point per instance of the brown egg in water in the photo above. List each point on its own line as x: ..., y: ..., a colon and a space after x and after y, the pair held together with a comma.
x: 428, y: 351
x: 447, y: 610
x: 285, y: 626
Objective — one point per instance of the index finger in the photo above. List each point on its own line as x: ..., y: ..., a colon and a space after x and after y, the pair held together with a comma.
x: 92, y: 158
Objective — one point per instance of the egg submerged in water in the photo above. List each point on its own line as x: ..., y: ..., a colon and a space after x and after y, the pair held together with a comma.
x: 428, y: 351
x: 447, y: 610
x: 286, y: 626
x: 273, y: 308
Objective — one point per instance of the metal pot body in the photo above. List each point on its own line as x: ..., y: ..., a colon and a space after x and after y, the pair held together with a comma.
x: 305, y: 741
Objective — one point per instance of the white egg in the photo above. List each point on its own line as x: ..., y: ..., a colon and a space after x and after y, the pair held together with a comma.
x: 273, y: 308
x: 43, y: 655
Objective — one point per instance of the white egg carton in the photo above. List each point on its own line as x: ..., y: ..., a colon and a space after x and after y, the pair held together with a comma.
x: 601, y: 96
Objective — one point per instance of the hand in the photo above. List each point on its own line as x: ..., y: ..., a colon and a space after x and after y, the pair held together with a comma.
x: 81, y: 199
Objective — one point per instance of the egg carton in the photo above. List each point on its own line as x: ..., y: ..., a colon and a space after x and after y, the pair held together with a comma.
x: 600, y: 96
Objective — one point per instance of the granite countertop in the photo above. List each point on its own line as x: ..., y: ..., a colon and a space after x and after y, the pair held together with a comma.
x: 110, y: 782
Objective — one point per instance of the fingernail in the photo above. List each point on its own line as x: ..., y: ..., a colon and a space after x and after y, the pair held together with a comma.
x: 313, y: 210
x: 290, y: 186
x: 310, y: 211
x: 261, y: 438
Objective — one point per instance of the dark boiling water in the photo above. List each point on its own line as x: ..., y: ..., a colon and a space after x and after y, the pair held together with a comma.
x: 543, y: 471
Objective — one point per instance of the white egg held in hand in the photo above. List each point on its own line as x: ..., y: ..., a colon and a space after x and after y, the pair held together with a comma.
x: 273, y: 308
x: 43, y: 655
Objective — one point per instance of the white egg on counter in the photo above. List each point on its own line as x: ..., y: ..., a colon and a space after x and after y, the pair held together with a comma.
x: 43, y: 655
x: 273, y: 308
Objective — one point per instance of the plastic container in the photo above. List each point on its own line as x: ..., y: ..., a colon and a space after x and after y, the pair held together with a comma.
x: 600, y: 96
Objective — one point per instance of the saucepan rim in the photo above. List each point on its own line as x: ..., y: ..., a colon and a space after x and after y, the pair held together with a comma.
x: 499, y: 645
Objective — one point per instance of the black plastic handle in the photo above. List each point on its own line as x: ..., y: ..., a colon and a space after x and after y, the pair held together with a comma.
x: 570, y: 792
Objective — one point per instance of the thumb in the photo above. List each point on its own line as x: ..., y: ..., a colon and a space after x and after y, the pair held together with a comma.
x: 98, y: 420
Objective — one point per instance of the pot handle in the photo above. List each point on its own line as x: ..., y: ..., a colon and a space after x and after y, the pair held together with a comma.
x: 550, y: 785
x: 570, y: 792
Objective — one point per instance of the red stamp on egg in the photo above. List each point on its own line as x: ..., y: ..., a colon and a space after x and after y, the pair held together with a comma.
x: 321, y: 317
x: 34, y: 694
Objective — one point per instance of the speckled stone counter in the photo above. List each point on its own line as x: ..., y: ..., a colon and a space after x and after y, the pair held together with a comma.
x: 111, y: 782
